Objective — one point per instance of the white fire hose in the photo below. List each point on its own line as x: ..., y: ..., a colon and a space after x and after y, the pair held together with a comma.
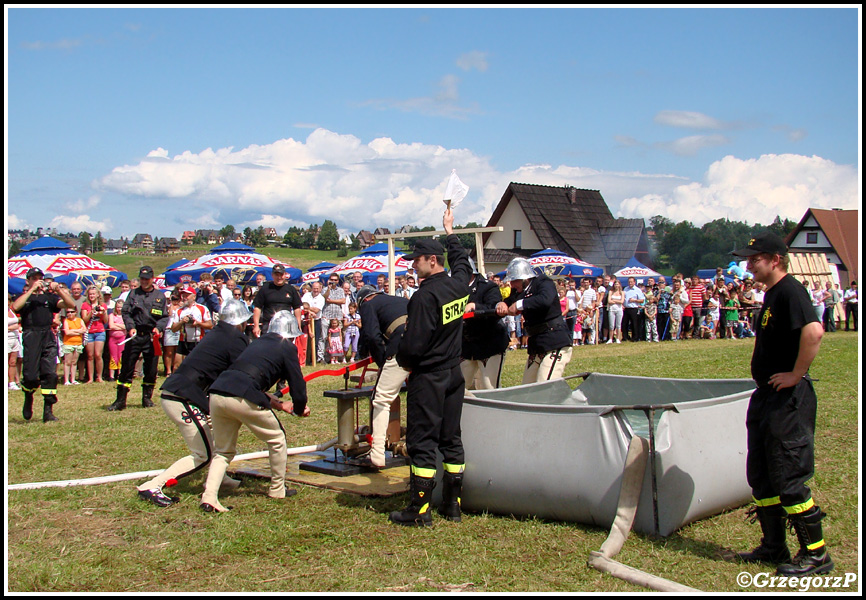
x: 148, y: 474
x: 632, y: 481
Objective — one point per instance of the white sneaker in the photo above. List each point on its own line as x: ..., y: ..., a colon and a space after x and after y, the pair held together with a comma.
x: 14, y: 386
x: 66, y: 383
x: 609, y: 342
x: 76, y: 382
x: 617, y: 341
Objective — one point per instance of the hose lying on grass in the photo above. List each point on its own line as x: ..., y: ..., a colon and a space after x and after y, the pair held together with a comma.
x: 148, y: 474
x: 629, y: 494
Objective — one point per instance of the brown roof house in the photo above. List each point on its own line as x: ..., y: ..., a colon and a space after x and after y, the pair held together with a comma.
x: 571, y: 220
x: 833, y: 233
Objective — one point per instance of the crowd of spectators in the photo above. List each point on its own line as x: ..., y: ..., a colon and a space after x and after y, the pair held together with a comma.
x: 597, y: 310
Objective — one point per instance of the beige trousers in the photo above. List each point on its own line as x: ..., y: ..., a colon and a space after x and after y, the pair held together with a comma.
x: 391, y: 378
x: 227, y: 415
x: 196, y: 432
x: 482, y: 375
x: 544, y: 367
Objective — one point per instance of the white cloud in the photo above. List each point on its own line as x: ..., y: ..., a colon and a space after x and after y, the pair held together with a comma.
x: 77, y: 223
x: 691, y: 145
x: 13, y: 222
x: 388, y: 184
x: 473, y: 60
x: 445, y: 102
x: 754, y: 191
x: 64, y: 44
x: 689, y: 120
x: 81, y: 205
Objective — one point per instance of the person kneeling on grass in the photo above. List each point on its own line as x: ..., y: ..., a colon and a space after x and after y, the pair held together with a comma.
x: 239, y: 397
x: 185, y: 399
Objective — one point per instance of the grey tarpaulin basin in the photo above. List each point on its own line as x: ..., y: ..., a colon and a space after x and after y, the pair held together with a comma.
x: 547, y: 450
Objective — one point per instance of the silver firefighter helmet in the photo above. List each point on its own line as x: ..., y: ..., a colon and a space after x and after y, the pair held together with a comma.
x: 519, y: 268
x: 234, y: 312
x: 285, y: 324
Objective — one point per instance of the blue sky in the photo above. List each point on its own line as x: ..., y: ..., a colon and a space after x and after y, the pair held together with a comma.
x: 161, y: 120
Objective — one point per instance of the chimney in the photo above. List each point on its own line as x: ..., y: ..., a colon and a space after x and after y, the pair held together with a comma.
x: 572, y: 194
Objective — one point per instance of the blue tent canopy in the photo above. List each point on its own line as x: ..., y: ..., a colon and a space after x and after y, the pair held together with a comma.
x: 635, y: 268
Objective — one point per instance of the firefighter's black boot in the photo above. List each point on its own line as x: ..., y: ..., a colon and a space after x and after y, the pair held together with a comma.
x: 120, y: 402
x: 28, y: 405
x: 813, y: 557
x: 49, y: 400
x: 773, y: 548
x: 452, y: 483
x: 146, y: 395
x: 417, y: 514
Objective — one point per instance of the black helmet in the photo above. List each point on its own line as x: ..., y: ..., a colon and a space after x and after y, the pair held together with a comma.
x: 365, y: 291
x: 34, y: 271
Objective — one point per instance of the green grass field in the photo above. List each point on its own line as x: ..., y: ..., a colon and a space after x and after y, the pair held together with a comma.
x: 104, y: 539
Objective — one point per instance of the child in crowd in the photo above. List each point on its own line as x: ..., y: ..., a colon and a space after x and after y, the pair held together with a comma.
x: 335, y: 341
x: 707, y: 327
x: 588, y: 328
x: 116, y: 334
x: 743, y: 328
x: 351, y: 325
x: 650, y: 309
x: 731, y: 316
x: 578, y: 327
x: 73, y: 344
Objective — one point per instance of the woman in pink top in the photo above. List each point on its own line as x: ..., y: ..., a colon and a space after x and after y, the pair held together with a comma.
x: 116, y: 334
x: 94, y: 312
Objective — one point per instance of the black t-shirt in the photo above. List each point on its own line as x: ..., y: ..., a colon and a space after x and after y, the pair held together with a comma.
x: 39, y: 309
x: 272, y: 299
x: 787, y: 309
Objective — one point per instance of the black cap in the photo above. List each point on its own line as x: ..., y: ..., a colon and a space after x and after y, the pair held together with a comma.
x: 146, y: 271
x: 278, y: 269
x: 763, y: 243
x: 33, y: 272
x: 425, y: 248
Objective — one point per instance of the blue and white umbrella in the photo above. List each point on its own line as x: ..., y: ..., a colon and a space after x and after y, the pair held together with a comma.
x: 314, y: 272
x: 58, y: 258
x: 372, y: 262
x: 634, y: 268
x: 230, y: 260
x: 554, y: 263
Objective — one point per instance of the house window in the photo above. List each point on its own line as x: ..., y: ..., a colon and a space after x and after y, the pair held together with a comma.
x: 518, y: 238
x: 811, y: 238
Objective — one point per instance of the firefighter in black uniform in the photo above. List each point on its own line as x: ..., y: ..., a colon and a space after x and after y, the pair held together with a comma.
x: 239, y: 397
x: 37, y: 308
x: 145, y: 313
x: 485, y: 337
x: 534, y: 295
x: 780, y: 420
x: 383, y: 319
x: 275, y: 296
x: 185, y: 400
x: 430, y: 349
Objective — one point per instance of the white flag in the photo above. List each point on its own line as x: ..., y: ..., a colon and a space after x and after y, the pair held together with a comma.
x: 455, y: 191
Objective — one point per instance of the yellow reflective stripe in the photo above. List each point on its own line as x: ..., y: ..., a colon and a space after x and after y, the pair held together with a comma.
x: 25, y: 389
x: 768, y: 501
x: 454, y: 310
x: 126, y: 385
x: 816, y: 545
x: 453, y: 468
x: 47, y: 392
x: 422, y: 472
x: 424, y: 509
x: 800, y: 508
x: 147, y: 384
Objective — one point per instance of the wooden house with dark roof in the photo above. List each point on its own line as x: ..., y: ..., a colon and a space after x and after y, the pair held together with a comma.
x: 832, y: 233
x: 574, y: 221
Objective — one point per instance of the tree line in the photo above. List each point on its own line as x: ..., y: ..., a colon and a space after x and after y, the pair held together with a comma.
x: 686, y: 248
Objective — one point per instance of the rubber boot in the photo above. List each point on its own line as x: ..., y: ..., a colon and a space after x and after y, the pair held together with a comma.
x: 28, y: 406
x: 452, y: 483
x: 120, y: 402
x: 48, y: 400
x: 813, y: 557
x: 417, y: 514
x: 773, y: 548
x: 146, y: 395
